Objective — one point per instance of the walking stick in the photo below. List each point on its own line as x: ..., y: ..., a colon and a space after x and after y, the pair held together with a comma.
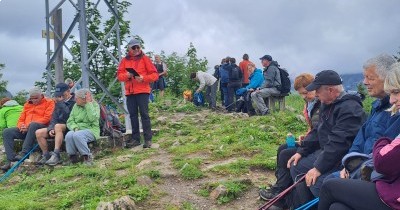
x: 280, y: 195
x: 9, y: 172
x: 308, y: 204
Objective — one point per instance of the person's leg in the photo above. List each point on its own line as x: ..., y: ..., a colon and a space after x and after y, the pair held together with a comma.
x: 339, y: 206
x: 283, y: 177
x: 41, y: 136
x: 355, y: 194
x: 9, y: 134
x: 132, y: 105
x: 213, y: 95
x: 144, y: 114
x: 259, y: 101
x: 208, y: 95
x: 230, y: 102
x: 81, y: 139
x: 161, y: 86
x: 30, y: 137
x: 249, y: 104
x: 225, y: 94
x: 70, y: 143
x: 259, y: 98
x: 55, y: 158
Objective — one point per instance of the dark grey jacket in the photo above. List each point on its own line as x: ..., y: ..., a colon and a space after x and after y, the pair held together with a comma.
x: 338, y: 125
x: 272, y: 77
x: 61, y: 113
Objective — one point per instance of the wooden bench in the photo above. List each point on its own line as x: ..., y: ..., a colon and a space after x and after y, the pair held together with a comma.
x: 277, y: 100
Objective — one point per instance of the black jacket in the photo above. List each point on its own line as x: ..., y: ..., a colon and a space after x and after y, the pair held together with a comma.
x: 338, y: 125
x: 61, y: 113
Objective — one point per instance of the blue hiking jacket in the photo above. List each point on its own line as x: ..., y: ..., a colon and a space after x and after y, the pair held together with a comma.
x: 380, y: 123
x: 256, y: 79
x: 224, y: 73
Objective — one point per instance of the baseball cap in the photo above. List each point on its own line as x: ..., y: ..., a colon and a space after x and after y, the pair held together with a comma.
x: 266, y: 57
x: 133, y: 42
x: 60, y: 89
x: 325, y: 77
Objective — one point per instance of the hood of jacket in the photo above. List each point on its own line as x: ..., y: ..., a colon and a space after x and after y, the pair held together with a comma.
x: 11, y: 103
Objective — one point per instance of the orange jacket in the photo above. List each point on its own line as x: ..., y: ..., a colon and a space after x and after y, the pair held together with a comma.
x: 143, y: 67
x: 40, y: 113
x: 243, y: 66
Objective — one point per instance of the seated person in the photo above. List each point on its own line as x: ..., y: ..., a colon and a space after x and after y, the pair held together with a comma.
x: 380, y: 122
x: 83, y: 126
x: 57, y: 127
x: 9, y: 113
x: 36, y: 114
x: 256, y: 79
x: 320, y: 153
x: 383, y: 193
x: 311, y: 114
x: 272, y: 80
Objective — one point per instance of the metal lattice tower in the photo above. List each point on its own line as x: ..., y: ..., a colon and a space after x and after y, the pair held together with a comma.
x: 54, y: 56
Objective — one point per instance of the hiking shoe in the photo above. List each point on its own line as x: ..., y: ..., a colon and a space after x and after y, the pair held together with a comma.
x: 19, y: 156
x: 53, y: 160
x: 73, y: 159
x: 147, y: 144
x: 6, y: 167
x: 87, y: 160
x: 268, y: 194
x: 265, y: 112
x: 132, y: 144
x: 42, y: 160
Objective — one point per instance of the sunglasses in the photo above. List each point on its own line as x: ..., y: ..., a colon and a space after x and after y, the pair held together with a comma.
x: 136, y: 47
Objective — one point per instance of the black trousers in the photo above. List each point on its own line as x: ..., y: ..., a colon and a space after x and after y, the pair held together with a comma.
x: 352, y: 194
x: 135, y: 104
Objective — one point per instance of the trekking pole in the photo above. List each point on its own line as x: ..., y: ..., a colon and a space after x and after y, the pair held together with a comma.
x: 280, y: 195
x: 308, y: 204
x: 9, y: 172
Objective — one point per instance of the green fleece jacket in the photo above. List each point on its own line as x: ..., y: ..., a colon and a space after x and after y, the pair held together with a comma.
x: 9, y: 114
x: 85, y: 117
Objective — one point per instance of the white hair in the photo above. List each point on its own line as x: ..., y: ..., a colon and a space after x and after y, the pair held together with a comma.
x: 35, y: 91
x: 381, y: 63
x: 81, y: 93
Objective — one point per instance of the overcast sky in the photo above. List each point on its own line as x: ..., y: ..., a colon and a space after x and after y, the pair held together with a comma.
x: 302, y: 35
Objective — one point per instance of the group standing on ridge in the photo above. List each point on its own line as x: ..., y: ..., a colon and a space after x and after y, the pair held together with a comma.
x: 347, y: 159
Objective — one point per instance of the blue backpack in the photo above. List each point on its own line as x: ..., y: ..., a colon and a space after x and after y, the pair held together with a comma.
x: 198, y: 99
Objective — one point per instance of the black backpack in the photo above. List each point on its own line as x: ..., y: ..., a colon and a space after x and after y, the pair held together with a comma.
x: 285, y: 81
x: 235, y: 74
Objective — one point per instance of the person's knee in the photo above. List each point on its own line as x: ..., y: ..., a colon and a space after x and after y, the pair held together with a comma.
x: 41, y: 133
x: 59, y: 128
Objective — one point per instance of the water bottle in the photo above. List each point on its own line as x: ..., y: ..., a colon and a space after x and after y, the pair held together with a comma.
x: 290, y: 141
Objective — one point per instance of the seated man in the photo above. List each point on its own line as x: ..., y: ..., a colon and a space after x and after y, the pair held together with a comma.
x: 311, y: 114
x: 9, y: 113
x: 57, y: 128
x: 272, y: 80
x: 36, y: 114
x: 83, y: 126
x: 380, y: 122
x: 341, y: 116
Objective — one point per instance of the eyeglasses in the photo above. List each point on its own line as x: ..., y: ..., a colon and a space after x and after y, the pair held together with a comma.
x: 136, y: 47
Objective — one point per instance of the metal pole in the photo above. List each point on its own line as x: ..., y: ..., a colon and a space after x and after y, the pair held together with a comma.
x: 57, y: 22
x: 48, y: 90
x: 83, y: 42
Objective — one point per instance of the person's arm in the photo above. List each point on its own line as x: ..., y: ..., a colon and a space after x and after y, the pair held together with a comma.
x: 122, y: 74
x: 165, y: 69
x: 152, y: 74
x: 386, y: 154
x: 202, y: 82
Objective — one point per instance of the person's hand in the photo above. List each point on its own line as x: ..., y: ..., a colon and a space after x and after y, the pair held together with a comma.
x: 52, y: 133
x: 295, y: 158
x: 312, y: 176
x: 23, y: 128
x: 301, y: 137
x: 344, y: 174
x: 89, y: 97
x: 197, y: 91
x: 129, y: 75
x: 139, y: 78
x: 257, y: 90
x: 250, y: 90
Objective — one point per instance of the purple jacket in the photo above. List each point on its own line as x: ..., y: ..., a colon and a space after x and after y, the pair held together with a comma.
x: 386, y: 155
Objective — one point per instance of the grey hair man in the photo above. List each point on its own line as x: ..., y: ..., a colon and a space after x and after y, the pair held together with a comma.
x: 36, y: 114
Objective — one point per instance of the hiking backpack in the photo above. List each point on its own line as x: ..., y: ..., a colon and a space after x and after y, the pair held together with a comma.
x: 235, y: 74
x: 285, y: 81
x: 107, y: 127
x: 198, y: 99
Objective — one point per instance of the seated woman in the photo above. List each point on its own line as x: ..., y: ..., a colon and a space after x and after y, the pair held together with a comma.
x: 256, y: 79
x: 311, y: 114
x: 383, y: 193
x: 83, y: 123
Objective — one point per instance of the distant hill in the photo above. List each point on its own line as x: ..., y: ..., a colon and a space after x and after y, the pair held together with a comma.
x: 350, y: 81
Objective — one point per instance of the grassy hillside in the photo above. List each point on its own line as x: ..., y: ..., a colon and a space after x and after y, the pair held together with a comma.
x: 199, y: 150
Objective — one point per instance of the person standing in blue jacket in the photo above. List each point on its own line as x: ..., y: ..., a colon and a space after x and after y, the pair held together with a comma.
x: 256, y: 80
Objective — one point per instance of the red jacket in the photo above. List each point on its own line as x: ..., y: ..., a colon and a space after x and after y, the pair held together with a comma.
x: 40, y: 113
x: 143, y: 67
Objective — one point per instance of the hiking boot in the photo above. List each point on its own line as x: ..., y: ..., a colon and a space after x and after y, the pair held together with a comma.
x: 6, y: 167
x: 73, y: 159
x: 87, y: 160
x: 147, y: 144
x: 42, y: 160
x: 268, y: 194
x: 53, y: 160
x: 19, y: 156
x: 131, y: 144
x: 265, y: 112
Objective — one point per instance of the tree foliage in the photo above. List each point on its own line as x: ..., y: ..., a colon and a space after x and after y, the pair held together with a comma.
x: 3, y: 83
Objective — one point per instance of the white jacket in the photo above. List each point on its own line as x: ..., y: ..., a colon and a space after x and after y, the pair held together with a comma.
x: 205, y: 79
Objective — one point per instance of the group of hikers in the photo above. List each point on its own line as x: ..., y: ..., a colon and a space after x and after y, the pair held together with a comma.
x: 346, y: 159
x: 242, y: 85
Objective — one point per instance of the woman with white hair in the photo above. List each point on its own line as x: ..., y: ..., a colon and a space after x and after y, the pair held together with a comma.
x: 84, y: 127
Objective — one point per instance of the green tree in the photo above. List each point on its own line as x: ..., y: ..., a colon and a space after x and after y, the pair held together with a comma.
x: 397, y: 57
x: 21, y: 96
x: 3, y: 83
